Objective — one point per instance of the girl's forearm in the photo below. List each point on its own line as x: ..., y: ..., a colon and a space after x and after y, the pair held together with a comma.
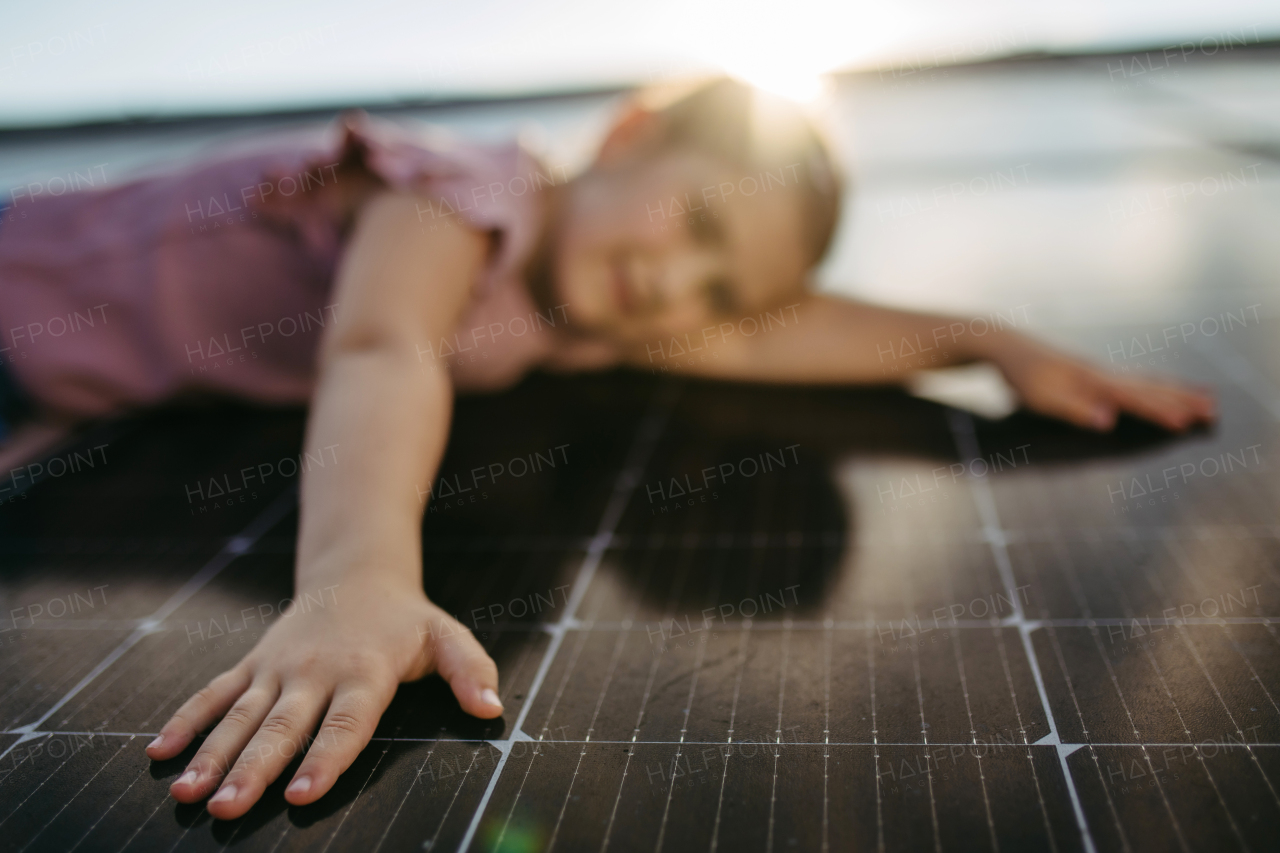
x: 828, y: 339
x: 385, y: 418
x: 847, y: 340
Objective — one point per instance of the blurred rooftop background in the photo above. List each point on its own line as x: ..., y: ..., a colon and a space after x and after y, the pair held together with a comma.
x: 1120, y: 164
x: 79, y: 61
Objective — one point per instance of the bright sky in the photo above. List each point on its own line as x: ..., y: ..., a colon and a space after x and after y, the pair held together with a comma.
x: 77, y: 59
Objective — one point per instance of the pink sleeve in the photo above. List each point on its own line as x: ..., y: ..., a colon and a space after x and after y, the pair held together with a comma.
x: 462, y: 184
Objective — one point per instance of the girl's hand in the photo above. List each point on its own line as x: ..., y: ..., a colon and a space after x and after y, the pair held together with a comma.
x: 341, y: 664
x: 1059, y: 386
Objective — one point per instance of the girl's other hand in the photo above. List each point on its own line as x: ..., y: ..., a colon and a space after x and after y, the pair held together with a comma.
x: 1062, y: 387
x: 336, y: 667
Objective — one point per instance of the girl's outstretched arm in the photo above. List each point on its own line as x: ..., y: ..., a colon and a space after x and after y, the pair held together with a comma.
x: 382, y: 413
x: 828, y: 339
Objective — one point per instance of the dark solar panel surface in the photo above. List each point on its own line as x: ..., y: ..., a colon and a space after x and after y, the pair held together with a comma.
x: 813, y: 657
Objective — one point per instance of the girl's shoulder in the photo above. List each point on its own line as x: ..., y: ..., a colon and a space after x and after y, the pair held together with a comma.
x: 487, y: 187
x: 292, y: 173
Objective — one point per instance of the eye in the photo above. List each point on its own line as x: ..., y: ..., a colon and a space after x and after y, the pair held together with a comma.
x: 721, y: 296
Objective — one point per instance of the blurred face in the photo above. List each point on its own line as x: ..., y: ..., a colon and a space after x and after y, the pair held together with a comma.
x: 653, y: 248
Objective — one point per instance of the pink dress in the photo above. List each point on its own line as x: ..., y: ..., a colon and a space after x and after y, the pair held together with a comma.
x: 191, y: 282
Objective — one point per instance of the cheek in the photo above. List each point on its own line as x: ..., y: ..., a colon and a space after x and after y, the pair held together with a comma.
x: 573, y: 273
x: 579, y: 281
x: 579, y: 243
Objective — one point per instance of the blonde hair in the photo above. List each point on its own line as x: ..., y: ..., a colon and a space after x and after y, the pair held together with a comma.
x: 749, y: 129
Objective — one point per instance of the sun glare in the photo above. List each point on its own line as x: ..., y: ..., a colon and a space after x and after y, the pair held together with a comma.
x: 786, y: 80
x: 792, y: 53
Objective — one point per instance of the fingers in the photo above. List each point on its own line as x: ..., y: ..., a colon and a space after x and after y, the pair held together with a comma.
x: 1091, y: 400
x: 1171, y: 407
x: 280, y: 738
x: 1077, y: 402
x: 1090, y: 411
x: 226, y: 742
x: 347, y: 728
x: 198, y: 713
x: 463, y: 662
x: 1204, y: 404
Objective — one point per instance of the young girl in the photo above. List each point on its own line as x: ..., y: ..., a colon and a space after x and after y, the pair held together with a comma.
x: 372, y: 272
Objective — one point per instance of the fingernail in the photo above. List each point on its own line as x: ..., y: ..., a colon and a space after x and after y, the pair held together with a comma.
x: 300, y: 785
x: 489, y: 697
x: 225, y: 794
x: 159, y: 740
x: 188, y: 778
x: 1101, y: 417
